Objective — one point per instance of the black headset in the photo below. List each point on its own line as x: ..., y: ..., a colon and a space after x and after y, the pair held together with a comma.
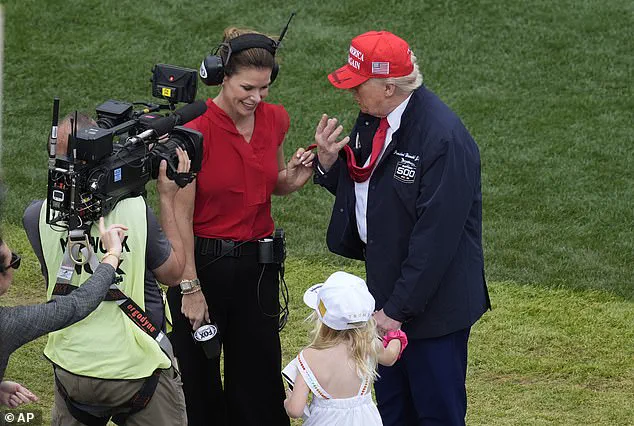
x: 212, y: 69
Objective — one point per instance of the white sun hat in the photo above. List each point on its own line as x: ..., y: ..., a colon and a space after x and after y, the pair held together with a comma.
x: 342, y: 302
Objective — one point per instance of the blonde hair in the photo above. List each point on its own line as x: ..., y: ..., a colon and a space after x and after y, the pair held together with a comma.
x: 410, y: 82
x: 363, y: 344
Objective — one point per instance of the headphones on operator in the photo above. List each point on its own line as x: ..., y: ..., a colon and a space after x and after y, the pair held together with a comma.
x: 212, y: 68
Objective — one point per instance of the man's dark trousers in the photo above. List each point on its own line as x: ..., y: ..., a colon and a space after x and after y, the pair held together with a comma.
x: 427, y: 385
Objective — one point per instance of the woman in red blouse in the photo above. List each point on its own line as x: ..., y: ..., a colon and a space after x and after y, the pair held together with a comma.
x: 230, y: 206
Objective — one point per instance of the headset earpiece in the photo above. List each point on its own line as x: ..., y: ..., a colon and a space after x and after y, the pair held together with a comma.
x: 212, y: 69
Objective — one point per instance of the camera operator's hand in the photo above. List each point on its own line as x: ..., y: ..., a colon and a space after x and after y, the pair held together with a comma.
x: 194, y: 307
x: 167, y: 187
x: 299, y: 168
x: 326, y: 135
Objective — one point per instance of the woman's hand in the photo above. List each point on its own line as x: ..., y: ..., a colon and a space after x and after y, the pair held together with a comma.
x: 194, y: 307
x: 112, y: 237
x: 167, y: 188
x: 300, y: 168
x: 326, y: 135
x: 14, y: 394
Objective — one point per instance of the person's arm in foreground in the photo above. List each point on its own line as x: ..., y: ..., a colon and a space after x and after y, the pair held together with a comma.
x: 25, y: 323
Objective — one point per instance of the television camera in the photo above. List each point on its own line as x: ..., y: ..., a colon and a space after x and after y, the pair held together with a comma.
x: 115, y: 159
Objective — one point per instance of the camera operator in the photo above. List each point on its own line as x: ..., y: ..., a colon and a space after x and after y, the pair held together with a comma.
x: 108, y: 366
x: 21, y: 324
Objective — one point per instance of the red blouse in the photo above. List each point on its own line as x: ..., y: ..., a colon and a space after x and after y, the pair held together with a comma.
x: 237, y: 178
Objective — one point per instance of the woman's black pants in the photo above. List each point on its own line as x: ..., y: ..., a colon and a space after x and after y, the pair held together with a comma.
x: 242, y: 296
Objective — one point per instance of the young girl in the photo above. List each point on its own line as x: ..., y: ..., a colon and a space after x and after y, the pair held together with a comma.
x: 339, y: 366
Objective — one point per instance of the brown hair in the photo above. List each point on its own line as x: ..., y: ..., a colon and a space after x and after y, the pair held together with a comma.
x: 255, y: 57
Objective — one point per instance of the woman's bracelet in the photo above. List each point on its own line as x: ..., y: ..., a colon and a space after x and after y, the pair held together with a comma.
x: 109, y: 253
x: 192, y: 291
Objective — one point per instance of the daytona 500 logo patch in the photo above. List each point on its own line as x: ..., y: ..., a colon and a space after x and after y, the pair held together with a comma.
x: 405, y: 171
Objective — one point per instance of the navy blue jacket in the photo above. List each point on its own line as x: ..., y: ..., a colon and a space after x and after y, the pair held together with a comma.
x: 424, y: 260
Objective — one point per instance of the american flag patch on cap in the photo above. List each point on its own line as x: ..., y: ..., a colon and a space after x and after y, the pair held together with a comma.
x: 380, y: 68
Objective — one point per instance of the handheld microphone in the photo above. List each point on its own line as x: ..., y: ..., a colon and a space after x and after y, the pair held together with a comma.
x: 163, y: 125
x: 52, y: 140
x: 207, y: 337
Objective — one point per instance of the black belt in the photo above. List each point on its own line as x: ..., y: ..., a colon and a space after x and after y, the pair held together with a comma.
x: 217, y: 248
x: 93, y: 415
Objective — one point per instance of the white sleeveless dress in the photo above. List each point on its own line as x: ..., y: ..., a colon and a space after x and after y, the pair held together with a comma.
x: 358, y: 410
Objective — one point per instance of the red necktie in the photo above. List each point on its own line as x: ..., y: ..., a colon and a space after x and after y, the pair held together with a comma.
x: 361, y: 174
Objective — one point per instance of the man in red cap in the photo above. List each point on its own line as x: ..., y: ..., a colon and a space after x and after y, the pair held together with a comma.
x: 408, y: 202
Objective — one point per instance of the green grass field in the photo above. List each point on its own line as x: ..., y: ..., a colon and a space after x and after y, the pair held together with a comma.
x: 544, y: 87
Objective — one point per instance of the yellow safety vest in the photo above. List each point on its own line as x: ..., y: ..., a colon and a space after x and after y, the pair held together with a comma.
x: 106, y: 344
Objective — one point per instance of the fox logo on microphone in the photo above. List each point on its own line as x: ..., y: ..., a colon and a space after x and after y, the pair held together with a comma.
x: 205, y: 332
x: 206, y: 336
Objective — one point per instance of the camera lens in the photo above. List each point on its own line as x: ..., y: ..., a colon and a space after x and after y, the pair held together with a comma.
x: 187, y: 139
x: 105, y: 123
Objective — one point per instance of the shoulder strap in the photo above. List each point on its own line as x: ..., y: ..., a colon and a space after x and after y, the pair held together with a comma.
x: 79, y: 251
x: 310, y: 378
x: 365, y: 386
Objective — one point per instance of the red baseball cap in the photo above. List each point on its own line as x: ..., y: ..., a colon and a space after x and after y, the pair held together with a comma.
x: 375, y: 54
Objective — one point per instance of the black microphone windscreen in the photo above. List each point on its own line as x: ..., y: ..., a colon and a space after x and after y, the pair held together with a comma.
x: 189, y: 112
x: 163, y: 125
